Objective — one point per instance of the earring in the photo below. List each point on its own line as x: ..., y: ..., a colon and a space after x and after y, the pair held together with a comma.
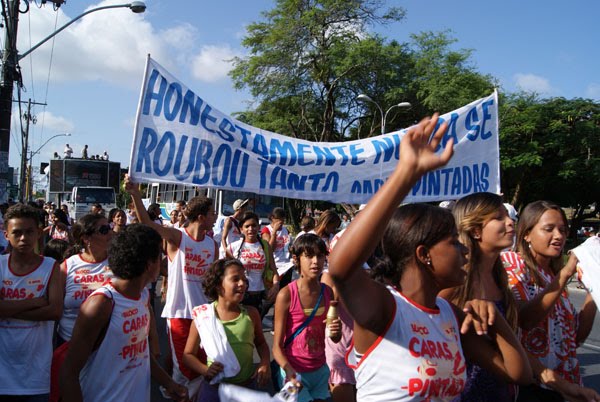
x: 428, y: 263
x: 477, y: 237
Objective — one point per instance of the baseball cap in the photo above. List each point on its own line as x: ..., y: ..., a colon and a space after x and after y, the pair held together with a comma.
x: 512, y: 212
x: 239, y: 203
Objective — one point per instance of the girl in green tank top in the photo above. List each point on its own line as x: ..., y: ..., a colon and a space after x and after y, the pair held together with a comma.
x: 226, y: 283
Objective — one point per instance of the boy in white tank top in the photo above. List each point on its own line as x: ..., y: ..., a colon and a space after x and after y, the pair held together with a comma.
x: 109, y: 358
x: 190, y: 253
x: 30, y: 300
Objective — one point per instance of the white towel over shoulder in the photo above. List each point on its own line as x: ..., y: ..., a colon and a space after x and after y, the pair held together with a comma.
x: 214, y: 341
x: 588, y: 254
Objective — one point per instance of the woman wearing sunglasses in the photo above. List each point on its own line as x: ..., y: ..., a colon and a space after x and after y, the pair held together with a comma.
x: 82, y: 273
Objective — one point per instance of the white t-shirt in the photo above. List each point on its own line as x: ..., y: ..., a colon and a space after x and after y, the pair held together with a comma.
x: 252, y: 256
x: 25, y: 346
x: 418, y: 358
x: 82, y: 279
x: 186, y: 273
x: 281, y: 252
x: 119, y: 370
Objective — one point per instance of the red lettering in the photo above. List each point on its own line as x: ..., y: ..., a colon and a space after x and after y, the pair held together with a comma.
x: 414, y: 386
x: 98, y: 278
x: 135, y: 323
x: 131, y: 312
x: 419, y: 329
x: 414, y: 341
x: 131, y: 351
x: 13, y: 294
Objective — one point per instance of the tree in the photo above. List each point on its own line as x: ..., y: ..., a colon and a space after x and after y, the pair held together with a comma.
x: 549, y: 150
x: 298, y: 62
x: 309, y: 60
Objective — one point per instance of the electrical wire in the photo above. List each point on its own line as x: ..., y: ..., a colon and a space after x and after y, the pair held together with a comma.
x: 48, y: 80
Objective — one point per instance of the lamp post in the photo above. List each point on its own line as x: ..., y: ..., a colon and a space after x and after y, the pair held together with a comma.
x: 30, y: 169
x: 136, y: 6
x: 11, y: 72
x: 367, y: 98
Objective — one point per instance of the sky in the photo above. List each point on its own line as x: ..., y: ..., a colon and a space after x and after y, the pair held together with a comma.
x: 90, y: 75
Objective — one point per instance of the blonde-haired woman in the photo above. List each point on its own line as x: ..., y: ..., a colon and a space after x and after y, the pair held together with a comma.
x: 485, y: 228
x: 326, y: 226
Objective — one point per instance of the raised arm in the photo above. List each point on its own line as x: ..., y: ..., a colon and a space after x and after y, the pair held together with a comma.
x: 417, y: 157
x: 224, y: 233
x: 171, y: 235
x: 535, y: 310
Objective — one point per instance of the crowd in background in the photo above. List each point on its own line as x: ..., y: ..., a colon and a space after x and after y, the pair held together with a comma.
x: 466, y: 301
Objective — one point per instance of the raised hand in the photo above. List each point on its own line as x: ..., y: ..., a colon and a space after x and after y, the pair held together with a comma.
x: 417, y: 149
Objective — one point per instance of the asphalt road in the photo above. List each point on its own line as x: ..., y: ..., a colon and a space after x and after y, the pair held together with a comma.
x: 589, y: 352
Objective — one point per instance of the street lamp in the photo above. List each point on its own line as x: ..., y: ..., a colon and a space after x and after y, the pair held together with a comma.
x: 367, y: 98
x: 37, y: 151
x: 135, y: 6
x: 29, y: 185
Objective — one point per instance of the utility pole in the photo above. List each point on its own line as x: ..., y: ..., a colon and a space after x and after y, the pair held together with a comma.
x: 10, y: 74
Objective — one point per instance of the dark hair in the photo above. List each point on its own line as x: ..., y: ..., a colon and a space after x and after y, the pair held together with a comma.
x: 22, y: 211
x: 249, y: 215
x: 57, y: 249
x: 154, y: 211
x: 325, y: 219
x: 309, y: 244
x: 278, y: 213
x: 62, y: 217
x: 112, y: 213
x: 528, y: 218
x: 213, y: 277
x: 410, y: 226
x: 132, y: 249
x: 307, y: 224
x: 116, y: 213
x: 199, y: 205
x: 86, y: 226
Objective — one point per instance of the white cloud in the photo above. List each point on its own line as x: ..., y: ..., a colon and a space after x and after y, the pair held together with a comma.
x: 213, y: 63
x: 54, y: 123
x: 593, y: 91
x: 109, y: 46
x: 533, y: 83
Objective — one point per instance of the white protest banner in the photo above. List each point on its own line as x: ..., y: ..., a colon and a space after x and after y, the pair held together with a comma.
x: 180, y: 138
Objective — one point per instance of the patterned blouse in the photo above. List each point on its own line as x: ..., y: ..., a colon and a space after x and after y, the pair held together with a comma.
x: 552, y: 340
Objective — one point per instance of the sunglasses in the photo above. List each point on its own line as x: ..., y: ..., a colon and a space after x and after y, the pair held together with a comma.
x: 104, y: 229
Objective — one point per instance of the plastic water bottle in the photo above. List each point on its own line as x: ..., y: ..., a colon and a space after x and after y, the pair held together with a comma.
x: 332, y: 314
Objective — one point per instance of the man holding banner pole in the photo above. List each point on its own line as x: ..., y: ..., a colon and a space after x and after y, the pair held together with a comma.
x: 190, y: 252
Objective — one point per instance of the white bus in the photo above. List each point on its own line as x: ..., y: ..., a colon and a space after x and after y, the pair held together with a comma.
x: 166, y: 195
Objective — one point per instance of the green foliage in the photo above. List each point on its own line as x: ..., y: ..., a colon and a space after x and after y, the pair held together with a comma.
x: 308, y: 60
x: 549, y: 149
